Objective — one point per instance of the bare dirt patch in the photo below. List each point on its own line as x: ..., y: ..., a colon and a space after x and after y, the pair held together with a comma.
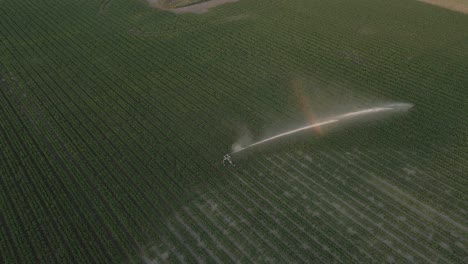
x: 198, y: 6
x: 455, y: 5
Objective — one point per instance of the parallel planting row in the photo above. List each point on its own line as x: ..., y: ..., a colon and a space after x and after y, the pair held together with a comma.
x: 112, y: 141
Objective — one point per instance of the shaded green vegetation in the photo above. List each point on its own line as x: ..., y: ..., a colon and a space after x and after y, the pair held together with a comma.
x: 112, y: 131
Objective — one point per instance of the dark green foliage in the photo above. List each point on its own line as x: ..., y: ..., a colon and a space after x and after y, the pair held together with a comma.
x: 113, y: 126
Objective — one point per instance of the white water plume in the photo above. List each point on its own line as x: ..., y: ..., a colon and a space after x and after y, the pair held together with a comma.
x: 244, y: 140
x: 389, y: 108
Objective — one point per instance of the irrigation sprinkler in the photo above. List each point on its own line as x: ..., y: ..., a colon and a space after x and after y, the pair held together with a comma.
x: 398, y: 107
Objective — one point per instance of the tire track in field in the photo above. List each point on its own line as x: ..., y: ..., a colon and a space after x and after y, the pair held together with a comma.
x: 104, y: 6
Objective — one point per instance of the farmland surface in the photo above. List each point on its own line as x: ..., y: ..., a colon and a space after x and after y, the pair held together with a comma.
x: 175, y: 3
x: 115, y: 116
x: 455, y: 5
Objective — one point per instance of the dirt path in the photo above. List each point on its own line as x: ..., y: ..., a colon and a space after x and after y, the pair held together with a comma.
x: 455, y: 5
x: 199, y: 8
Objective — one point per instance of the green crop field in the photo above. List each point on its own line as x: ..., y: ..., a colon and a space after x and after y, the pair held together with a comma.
x: 115, y: 116
x: 172, y: 4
